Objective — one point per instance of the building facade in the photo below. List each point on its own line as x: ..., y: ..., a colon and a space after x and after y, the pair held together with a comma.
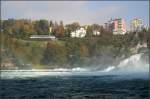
x: 80, y: 33
x: 119, y: 26
x: 116, y: 26
x: 109, y: 26
x: 136, y: 25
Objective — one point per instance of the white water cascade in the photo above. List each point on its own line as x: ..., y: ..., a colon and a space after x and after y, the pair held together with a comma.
x: 133, y: 64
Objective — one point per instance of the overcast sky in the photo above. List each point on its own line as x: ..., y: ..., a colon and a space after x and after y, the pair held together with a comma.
x: 85, y: 12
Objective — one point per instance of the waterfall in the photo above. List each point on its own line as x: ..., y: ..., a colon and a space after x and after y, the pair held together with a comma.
x: 132, y: 60
x: 133, y: 64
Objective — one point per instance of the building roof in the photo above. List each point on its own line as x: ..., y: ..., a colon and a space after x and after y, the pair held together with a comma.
x: 42, y: 37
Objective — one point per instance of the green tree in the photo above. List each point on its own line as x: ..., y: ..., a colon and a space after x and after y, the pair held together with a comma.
x: 42, y: 27
x: 71, y: 27
x: 55, y: 54
x: 59, y: 30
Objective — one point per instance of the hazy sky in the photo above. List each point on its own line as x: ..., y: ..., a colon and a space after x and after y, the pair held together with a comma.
x: 85, y: 12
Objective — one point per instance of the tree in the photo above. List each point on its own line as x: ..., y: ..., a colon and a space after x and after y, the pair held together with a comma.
x: 59, y: 30
x: 27, y: 28
x: 42, y: 27
x: 55, y: 28
x: 89, y: 31
x: 92, y: 28
x: 7, y: 26
x: 71, y: 27
x: 55, y: 54
x: 18, y: 28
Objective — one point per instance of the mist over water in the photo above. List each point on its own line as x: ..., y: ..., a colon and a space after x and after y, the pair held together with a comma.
x: 132, y: 65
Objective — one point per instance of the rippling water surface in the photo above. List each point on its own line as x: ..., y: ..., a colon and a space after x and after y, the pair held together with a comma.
x: 75, y: 87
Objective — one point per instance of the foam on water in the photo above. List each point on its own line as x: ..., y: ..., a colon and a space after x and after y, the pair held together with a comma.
x: 110, y: 68
x: 132, y: 64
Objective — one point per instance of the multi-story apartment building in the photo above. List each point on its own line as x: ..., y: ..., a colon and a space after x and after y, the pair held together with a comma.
x: 119, y: 26
x: 136, y: 25
x: 109, y: 26
x: 116, y: 26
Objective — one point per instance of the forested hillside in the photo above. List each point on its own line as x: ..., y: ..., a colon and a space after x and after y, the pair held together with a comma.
x: 20, y: 51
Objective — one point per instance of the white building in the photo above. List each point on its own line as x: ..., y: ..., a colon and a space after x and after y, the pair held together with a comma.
x: 96, y: 33
x: 80, y: 33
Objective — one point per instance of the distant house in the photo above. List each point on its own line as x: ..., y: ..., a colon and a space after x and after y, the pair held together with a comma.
x: 43, y: 37
x: 80, y: 33
x: 96, y: 33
